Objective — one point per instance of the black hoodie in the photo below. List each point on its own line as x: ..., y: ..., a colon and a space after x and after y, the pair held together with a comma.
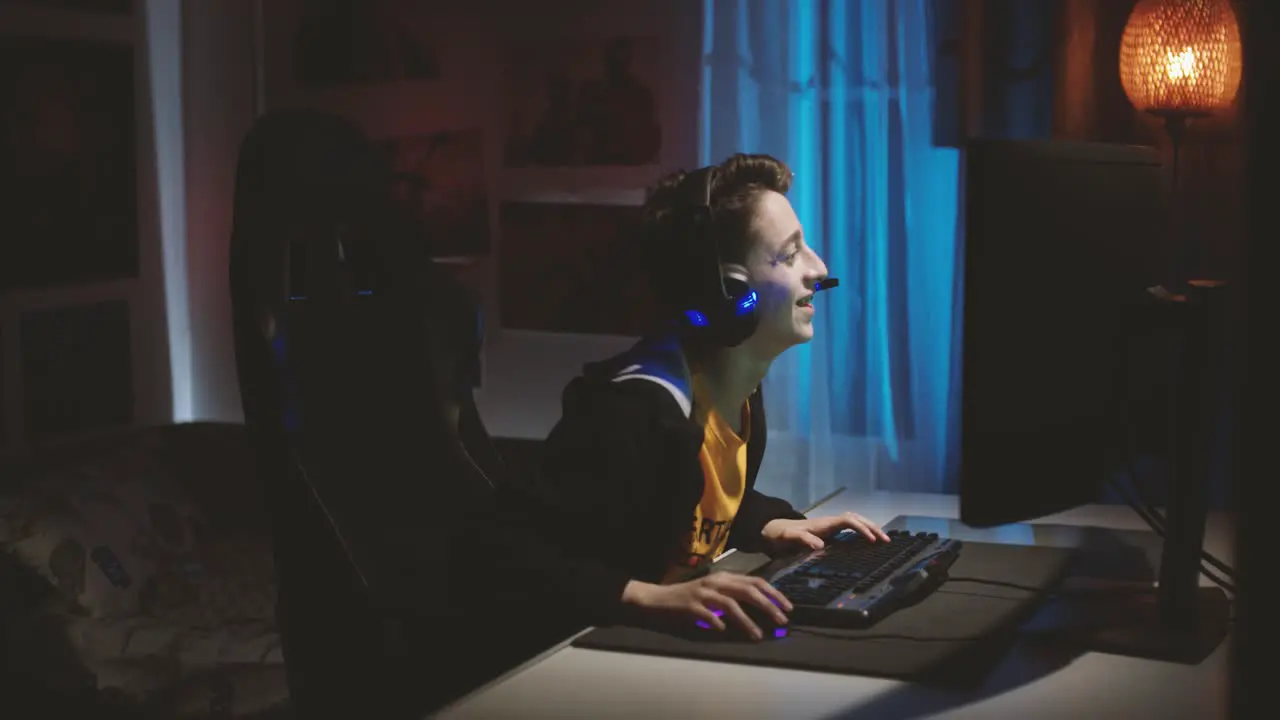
x: 621, y: 475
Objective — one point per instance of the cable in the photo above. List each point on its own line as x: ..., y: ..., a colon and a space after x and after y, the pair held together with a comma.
x: 1053, y: 594
x: 1140, y: 504
x: 998, y: 583
x: 1061, y: 594
x: 966, y: 638
x: 1218, y: 580
x: 1094, y: 592
x: 1156, y: 519
x: 888, y: 636
x: 1156, y: 523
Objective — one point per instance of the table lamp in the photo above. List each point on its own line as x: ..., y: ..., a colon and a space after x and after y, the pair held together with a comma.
x: 1180, y: 60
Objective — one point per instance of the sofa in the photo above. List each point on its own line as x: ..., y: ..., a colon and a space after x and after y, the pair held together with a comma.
x: 137, y: 579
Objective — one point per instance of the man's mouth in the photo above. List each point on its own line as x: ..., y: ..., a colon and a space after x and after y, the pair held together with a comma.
x: 805, y: 301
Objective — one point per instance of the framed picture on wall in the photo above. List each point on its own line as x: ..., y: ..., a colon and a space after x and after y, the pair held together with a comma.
x: 77, y: 369
x: 336, y: 50
x: 68, y: 188
x: 583, y: 102
x: 357, y: 42
x: 572, y: 268
x: 439, y: 179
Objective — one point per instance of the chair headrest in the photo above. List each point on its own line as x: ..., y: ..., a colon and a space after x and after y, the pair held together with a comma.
x: 310, y: 187
x: 314, y: 226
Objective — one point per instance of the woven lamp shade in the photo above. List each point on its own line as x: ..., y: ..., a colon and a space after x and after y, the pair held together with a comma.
x: 1181, y: 56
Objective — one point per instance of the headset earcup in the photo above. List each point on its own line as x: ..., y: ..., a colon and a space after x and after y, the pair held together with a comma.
x: 734, y: 324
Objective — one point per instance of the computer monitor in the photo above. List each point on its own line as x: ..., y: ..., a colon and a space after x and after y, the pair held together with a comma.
x: 1062, y: 242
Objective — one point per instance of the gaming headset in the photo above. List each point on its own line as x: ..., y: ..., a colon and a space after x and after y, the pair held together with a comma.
x: 725, y: 313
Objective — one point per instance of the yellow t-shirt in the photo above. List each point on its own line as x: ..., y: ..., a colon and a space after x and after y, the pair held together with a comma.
x: 724, y: 470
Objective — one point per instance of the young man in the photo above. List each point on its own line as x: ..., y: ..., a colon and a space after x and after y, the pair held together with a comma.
x: 651, y: 469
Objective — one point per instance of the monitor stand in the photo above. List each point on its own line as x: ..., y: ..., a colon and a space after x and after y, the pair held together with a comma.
x: 1180, y: 621
x: 1133, y: 625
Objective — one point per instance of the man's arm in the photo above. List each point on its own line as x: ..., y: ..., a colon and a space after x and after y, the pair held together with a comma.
x: 579, y: 590
x: 584, y: 507
x: 756, y: 511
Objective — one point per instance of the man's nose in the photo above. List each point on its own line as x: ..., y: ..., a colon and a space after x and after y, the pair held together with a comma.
x: 817, y: 272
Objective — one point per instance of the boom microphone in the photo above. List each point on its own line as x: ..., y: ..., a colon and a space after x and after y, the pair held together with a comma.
x: 826, y: 284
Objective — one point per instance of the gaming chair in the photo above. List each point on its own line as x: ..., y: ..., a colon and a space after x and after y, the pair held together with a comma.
x: 362, y: 476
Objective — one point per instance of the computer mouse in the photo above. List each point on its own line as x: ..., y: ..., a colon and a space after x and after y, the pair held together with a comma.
x: 769, y: 628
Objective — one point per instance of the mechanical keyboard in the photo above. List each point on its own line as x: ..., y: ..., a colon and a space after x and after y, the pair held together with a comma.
x: 855, y: 583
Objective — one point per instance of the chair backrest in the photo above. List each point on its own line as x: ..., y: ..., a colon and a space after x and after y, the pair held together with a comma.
x: 365, y: 406
x: 297, y: 169
x: 343, y: 395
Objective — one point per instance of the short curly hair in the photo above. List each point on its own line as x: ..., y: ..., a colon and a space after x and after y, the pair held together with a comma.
x: 736, y: 187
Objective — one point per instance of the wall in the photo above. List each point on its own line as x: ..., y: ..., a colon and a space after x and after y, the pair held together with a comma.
x: 194, y: 74
x: 1079, y: 58
x: 97, y: 369
x: 1052, y: 70
x: 1090, y: 104
x: 220, y: 99
x: 197, y: 95
x: 200, y: 83
x: 524, y: 371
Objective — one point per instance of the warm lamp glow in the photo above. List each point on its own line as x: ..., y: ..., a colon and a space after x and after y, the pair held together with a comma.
x: 1181, y: 56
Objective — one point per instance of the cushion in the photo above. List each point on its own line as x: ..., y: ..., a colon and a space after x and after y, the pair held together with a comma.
x: 100, y: 526
x: 180, y: 670
x: 230, y: 691
x: 122, y: 573
x: 143, y: 639
x: 223, y: 692
x: 230, y: 579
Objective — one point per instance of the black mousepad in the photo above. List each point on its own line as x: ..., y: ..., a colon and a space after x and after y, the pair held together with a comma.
x: 948, y: 629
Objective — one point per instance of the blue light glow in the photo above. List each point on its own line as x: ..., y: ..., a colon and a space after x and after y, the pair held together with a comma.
x: 842, y: 91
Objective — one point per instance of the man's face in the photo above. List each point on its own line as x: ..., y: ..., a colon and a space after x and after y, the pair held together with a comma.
x: 783, y: 271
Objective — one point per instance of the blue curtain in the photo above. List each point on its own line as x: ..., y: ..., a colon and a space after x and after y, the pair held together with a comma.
x: 843, y: 91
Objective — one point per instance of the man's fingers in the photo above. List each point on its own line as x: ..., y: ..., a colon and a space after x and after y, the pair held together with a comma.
x: 756, y: 597
x: 869, y: 529
x: 707, y: 615
x: 809, y: 539
x: 773, y: 594
x: 743, y: 586
x: 734, y: 611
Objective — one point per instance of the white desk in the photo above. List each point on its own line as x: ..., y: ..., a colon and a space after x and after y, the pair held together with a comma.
x: 569, y: 682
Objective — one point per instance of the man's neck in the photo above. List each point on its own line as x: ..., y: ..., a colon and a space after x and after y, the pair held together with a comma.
x: 732, y: 374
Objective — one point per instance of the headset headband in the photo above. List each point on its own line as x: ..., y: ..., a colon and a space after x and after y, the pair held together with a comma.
x: 724, y: 314
x: 697, y: 201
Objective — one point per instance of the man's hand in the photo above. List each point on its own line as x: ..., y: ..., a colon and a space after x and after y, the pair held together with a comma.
x: 788, y: 536
x: 708, y: 599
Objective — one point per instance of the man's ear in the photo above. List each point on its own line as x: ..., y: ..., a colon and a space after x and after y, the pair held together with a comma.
x: 734, y: 270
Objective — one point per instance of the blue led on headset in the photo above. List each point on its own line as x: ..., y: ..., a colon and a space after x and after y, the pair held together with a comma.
x: 696, y: 318
x: 748, y: 302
